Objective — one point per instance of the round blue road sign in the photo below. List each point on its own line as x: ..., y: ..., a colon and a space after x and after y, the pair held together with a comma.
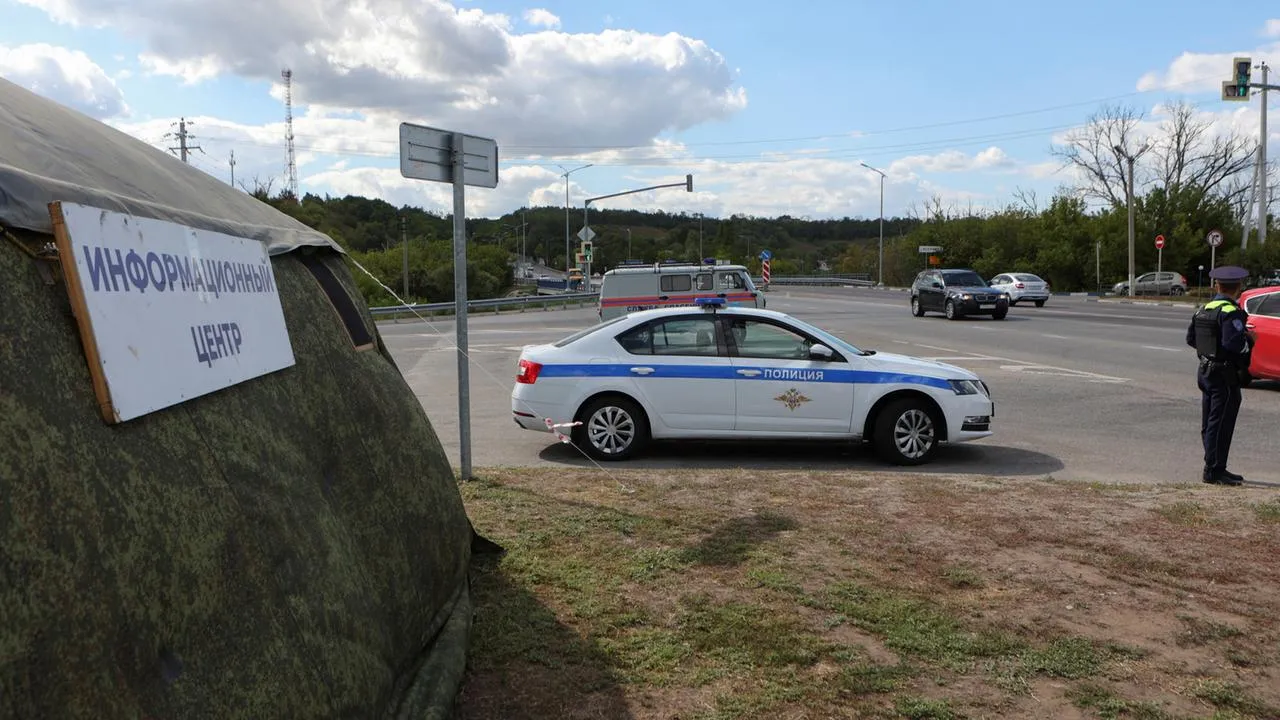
x: 766, y: 255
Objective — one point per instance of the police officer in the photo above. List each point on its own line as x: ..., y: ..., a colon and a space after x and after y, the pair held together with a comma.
x: 1222, y: 343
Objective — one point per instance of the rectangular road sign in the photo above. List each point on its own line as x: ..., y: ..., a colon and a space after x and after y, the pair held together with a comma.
x: 426, y: 154
x: 929, y: 249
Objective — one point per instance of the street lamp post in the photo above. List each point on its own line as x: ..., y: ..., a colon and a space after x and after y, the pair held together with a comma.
x: 687, y: 185
x: 881, y: 262
x: 1129, y: 194
x: 628, y: 243
x: 566, y: 175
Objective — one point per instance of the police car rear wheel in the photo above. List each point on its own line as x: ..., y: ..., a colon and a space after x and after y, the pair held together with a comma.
x: 613, y: 428
x: 906, y: 432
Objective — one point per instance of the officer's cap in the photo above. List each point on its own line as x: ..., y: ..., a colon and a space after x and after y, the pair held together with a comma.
x: 1229, y: 273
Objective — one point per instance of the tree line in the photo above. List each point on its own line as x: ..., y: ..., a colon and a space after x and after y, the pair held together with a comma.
x: 1188, y: 181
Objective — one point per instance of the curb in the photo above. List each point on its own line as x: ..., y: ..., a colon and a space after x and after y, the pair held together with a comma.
x: 1151, y: 303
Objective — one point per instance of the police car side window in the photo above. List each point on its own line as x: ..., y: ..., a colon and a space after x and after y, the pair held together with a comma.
x: 704, y: 281
x: 757, y: 339
x: 676, y: 283
x: 684, y: 336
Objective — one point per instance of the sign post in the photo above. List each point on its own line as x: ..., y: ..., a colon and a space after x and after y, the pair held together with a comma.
x: 765, y: 259
x: 451, y: 157
x: 1214, y: 238
x: 928, y: 251
x: 1160, y: 253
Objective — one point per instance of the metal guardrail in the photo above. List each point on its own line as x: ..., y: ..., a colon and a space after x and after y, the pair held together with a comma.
x: 583, y: 297
x: 487, y: 303
x: 817, y: 280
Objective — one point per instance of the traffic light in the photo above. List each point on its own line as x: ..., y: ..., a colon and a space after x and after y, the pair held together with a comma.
x: 586, y: 250
x: 1237, y: 88
x: 688, y: 183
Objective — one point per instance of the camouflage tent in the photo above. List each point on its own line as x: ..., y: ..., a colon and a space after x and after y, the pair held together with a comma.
x: 292, y: 546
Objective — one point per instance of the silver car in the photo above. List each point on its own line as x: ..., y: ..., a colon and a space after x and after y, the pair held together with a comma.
x: 1161, y: 283
x: 1022, y: 286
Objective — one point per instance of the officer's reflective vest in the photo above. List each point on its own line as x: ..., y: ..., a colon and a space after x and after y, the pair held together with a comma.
x: 1208, y: 330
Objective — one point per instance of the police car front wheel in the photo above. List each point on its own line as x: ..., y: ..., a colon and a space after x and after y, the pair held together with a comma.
x: 906, y: 432
x: 613, y: 428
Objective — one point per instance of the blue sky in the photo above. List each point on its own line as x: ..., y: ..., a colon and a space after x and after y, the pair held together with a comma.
x: 770, y: 106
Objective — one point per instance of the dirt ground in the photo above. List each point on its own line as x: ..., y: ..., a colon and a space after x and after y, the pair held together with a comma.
x: 828, y: 594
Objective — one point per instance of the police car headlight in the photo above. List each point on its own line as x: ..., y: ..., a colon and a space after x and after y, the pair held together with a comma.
x: 966, y: 387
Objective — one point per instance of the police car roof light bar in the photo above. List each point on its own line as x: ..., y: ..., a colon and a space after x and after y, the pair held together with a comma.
x: 714, y: 302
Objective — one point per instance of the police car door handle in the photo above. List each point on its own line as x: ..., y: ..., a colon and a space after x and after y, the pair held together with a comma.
x: 1250, y: 326
x: 642, y: 370
x: 664, y: 297
x: 748, y: 372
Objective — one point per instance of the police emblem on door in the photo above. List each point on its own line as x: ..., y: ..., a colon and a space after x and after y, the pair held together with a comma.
x: 792, y: 399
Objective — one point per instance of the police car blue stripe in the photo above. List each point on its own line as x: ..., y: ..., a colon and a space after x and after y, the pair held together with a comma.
x: 727, y: 372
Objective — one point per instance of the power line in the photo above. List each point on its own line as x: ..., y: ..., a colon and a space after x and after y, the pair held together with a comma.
x: 846, y: 135
x: 662, y: 159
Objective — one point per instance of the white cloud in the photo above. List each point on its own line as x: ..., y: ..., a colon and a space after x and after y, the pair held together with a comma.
x: 429, y: 61
x: 66, y: 76
x: 1204, y: 72
x: 951, y: 161
x: 539, y: 17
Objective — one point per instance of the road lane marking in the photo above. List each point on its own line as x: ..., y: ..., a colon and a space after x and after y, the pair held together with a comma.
x: 1056, y: 337
x: 1157, y: 347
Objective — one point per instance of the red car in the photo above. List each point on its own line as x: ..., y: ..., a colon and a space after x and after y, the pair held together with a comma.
x: 1263, y: 306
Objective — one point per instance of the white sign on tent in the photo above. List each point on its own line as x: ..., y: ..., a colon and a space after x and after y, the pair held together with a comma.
x: 166, y: 312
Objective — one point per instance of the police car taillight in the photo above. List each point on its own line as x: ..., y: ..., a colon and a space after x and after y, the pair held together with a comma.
x: 527, y: 373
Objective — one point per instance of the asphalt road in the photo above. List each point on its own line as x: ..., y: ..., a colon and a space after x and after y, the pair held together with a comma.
x: 1084, y: 390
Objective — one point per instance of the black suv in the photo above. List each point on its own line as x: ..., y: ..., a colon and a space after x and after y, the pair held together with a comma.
x: 956, y: 293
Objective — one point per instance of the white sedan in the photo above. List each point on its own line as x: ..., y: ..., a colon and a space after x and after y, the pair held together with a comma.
x: 740, y: 373
x: 1022, y: 286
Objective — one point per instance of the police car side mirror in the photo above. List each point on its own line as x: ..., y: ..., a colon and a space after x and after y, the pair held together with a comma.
x: 820, y: 352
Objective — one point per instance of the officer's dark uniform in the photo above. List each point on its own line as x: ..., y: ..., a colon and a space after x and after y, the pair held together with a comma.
x: 1217, y: 332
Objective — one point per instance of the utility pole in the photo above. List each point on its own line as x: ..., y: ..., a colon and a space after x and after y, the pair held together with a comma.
x: 699, y: 238
x: 881, y: 261
x: 1237, y: 89
x: 404, y: 242
x: 1129, y: 193
x: 567, y: 234
x: 628, y: 243
x: 183, y: 136
x: 1262, y: 165
x: 233, y: 168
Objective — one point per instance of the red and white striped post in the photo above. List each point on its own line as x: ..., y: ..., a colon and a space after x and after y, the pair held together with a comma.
x: 764, y: 271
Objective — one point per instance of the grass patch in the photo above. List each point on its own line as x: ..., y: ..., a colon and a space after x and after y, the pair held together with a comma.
x: 1267, y: 512
x: 962, y: 577
x: 1231, y: 696
x: 1191, y: 514
x: 1109, y: 706
x: 818, y: 595
x: 1199, y: 631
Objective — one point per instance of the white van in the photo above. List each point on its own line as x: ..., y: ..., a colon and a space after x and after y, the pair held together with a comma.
x: 632, y: 286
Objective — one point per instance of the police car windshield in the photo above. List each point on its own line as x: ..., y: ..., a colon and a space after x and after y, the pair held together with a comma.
x: 826, y: 337
x: 962, y: 278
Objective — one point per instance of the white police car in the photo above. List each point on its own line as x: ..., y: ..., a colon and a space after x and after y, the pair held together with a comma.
x: 736, y: 373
